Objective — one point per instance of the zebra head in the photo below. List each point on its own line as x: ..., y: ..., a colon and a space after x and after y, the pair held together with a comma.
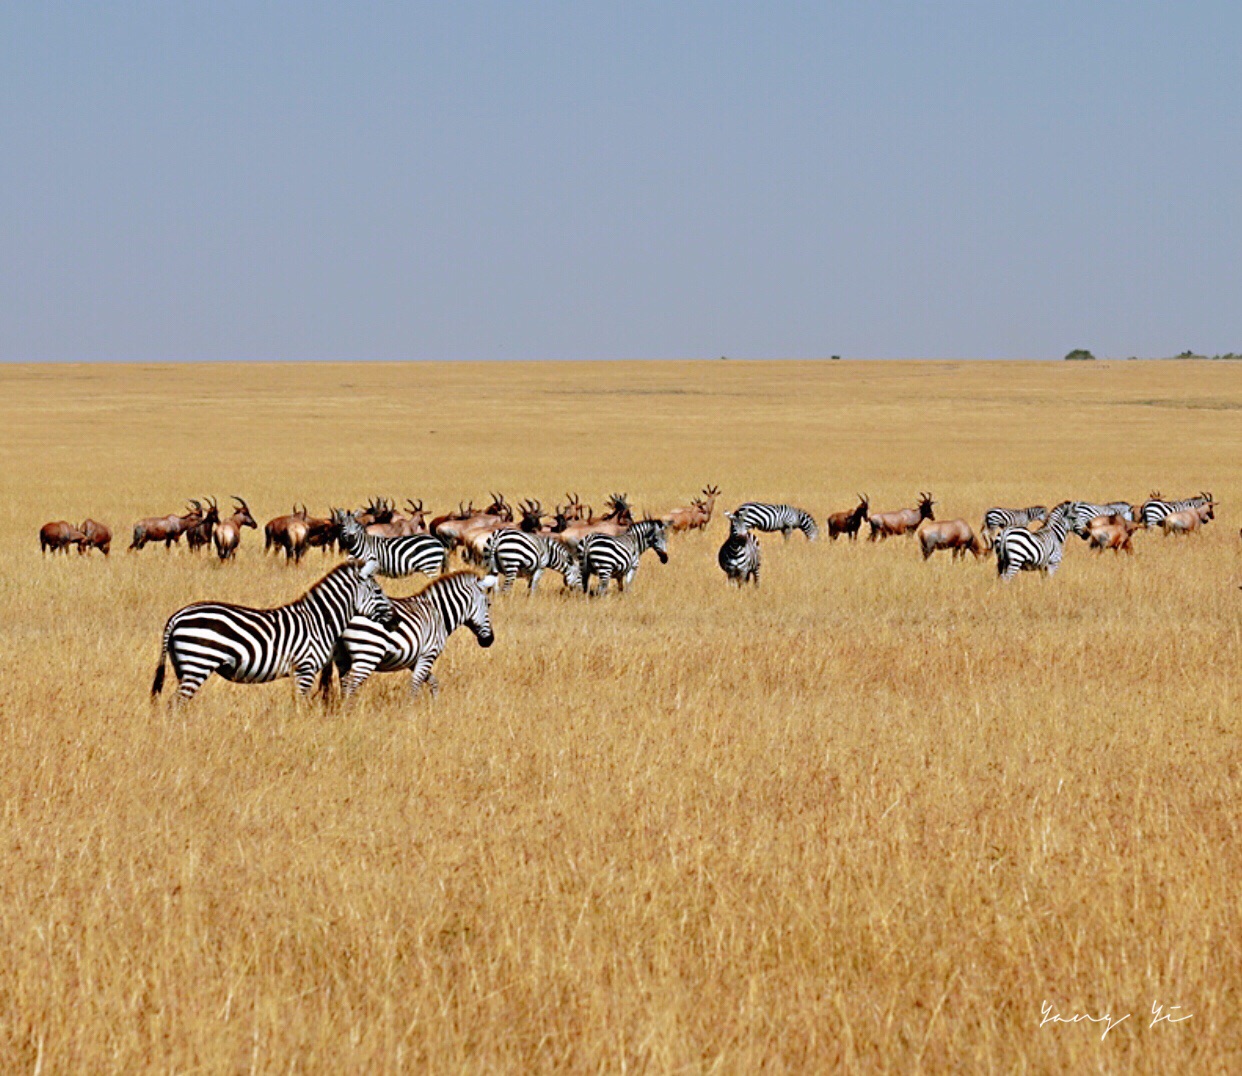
x: 347, y: 523
x: 652, y: 534
x: 369, y: 599
x: 478, y: 616
x: 737, y: 527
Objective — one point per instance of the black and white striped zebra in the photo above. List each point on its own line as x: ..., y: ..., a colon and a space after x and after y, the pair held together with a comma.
x: 255, y: 646
x: 756, y: 515
x: 740, y: 557
x: 396, y: 557
x: 423, y: 623
x: 1020, y: 550
x: 608, y: 555
x: 1083, y: 512
x: 1155, y: 509
x: 997, y: 519
x: 511, y: 552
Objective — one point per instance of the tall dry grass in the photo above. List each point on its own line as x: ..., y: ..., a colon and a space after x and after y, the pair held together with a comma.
x: 867, y: 818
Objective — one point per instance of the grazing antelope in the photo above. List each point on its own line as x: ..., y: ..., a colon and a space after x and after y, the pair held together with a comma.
x: 740, y: 558
x: 607, y: 555
x: 697, y: 516
x: 166, y: 529
x: 761, y: 516
x: 1112, y: 532
x: 849, y: 522
x: 256, y: 646
x: 417, y: 636
x: 228, y: 531
x: 59, y: 536
x: 98, y: 536
x: 888, y: 524
x: 1020, y: 550
x: 997, y: 519
x: 954, y: 534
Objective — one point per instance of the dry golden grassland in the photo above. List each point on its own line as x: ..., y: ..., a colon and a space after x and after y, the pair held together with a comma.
x: 867, y: 818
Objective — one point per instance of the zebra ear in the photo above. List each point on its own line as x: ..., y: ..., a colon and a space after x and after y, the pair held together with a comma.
x: 368, y: 569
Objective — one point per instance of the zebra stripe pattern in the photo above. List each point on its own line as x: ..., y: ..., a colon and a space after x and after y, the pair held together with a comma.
x: 417, y: 636
x: 756, y: 515
x: 1020, y: 550
x: 512, y: 552
x: 1155, y: 509
x: 396, y: 557
x: 255, y: 646
x: 607, y: 555
x: 997, y: 519
x: 740, y: 558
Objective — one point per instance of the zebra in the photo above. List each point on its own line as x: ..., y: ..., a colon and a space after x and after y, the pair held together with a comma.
x: 1020, y: 550
x: 606, y: 555
x: 423, y: 623
x: 997, y: 519
x: 256, y: 646
x: 511, y: 552
x: 395, y: 556
x: 1083, y: 512
x: 773, y: 517
x: 740, y: 557
x: 1155, y: 509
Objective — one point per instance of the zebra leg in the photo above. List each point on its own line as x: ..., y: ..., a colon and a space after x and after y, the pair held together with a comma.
x: 305, y: 675
x: 189, y: 681
x: 421, y: 674
x: 355, y: 678
x: 628, y: 578
x: 534, y: 579
x: 605, y: 576
x: 510, y: 578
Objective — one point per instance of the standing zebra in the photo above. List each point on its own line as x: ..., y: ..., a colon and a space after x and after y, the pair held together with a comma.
x: 255, y: 646
x: 773, y: 517
x: 740, y: 557
x: 1020, y: 550
x: 997, y: 519
x: 606, y: 555
x: 423, y: 623
x: 1083, y: 512
x: 511, y: 552
x: 1155, y: 509
x: 395, y: 556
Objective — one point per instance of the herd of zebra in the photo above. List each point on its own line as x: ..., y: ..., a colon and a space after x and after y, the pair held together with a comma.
x: 346, y: 622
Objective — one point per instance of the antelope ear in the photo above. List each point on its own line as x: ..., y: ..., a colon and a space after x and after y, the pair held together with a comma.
x: 368, y: 569
x: 487, y: 582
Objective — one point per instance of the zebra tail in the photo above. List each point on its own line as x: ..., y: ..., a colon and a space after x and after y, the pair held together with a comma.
x: 325, y: 679
x: 158, y: 685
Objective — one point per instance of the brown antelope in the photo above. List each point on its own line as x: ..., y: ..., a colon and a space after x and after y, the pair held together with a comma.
x: 618, y: 520
x: 1188, y: 520
x: 697, y: 516
x: 400, y: 526
x: 98, y: 536
x: 59, y: 536
x: 887, y: 524
x: 276, y: 531
x: 849, y: 522
x: 228, y: 530
x: 166, y: 529
x: 1113, y: 532
x: 954, y: 534
x: 199, y: 536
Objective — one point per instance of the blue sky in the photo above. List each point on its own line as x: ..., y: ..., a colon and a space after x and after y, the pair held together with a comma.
x: 637, y: 180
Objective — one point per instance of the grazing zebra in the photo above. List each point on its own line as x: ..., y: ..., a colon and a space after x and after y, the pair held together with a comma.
x: 1020, y: 550
x: 255, y: 646
x: 997, y: 519
x: 511, y: 552
x: 1082, y: 513
x: 773, y: 517
x: 606, y: 555
x: 423, y: 623
x: 740, y: 557
x: 395, y: 556
x: 1155, y: 509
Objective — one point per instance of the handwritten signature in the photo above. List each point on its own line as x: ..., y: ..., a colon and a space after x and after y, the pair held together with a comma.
x: 1048, y: 1015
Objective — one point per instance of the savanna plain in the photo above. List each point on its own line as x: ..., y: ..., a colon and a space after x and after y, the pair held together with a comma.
x: 873, y: 816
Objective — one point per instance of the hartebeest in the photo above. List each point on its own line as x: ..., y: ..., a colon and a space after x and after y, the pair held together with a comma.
x: 199, y: 535
x: 887, y: 524
x: 849, y: 522
x: 98, y: 536
x: 1188, y: 520
x: 1113, y: 532
x: 954, y: 534
x: 166, y: 529
x: 228, y: 531
x: 697, y: 516
x: 59, y: 536
x: 616, y: 521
